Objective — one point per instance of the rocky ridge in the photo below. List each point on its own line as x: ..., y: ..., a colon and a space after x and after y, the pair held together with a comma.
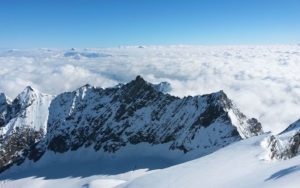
x: 286, y: 144
x: 113, y: 118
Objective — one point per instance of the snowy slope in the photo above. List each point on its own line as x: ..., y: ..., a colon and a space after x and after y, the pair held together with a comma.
x: 241, y: 164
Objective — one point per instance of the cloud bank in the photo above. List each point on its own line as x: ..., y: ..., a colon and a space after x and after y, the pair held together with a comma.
x: 263, y: 81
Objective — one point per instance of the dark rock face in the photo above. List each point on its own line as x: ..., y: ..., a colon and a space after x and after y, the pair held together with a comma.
x: 12, y: 146
x: 255, y: 126
x: 294, y: 145
x: 137, y: 112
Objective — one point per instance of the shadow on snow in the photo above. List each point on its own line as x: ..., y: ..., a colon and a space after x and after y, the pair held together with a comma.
x: 88, y: 168
x: 283, y: 172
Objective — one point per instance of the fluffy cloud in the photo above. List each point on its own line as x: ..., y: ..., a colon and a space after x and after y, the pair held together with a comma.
x: 263, y: 81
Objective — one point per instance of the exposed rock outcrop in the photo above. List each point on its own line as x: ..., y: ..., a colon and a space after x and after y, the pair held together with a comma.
x: 286, y: 144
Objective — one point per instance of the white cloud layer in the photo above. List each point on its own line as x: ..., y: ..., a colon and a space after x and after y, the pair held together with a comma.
x: 264, y: 81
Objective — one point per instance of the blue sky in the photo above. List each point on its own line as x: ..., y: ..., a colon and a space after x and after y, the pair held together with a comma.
x: 108, y: 23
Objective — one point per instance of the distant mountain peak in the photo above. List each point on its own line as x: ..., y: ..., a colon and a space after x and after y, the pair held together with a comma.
x: 2, y: 96
x: 4, y: 100
x: 137, y: 87
x: 26, y: 97
x: 139, y: 78
x: 28, y: 91
x: 84, y: 87
x: 139, y: 81
x: 29, y: 88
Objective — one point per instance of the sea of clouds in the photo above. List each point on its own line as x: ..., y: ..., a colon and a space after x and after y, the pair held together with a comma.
x: 263, y: 81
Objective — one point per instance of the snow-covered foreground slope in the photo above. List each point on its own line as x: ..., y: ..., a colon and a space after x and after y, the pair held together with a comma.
x: 95, y: 181
x: 241, y: 164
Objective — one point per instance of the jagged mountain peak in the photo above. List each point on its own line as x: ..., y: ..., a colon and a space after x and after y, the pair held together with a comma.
x: 245, y: 127
x: 29, y: 88
x: 219, y: 95
x: 138, y: 82
x: 28, y: 110
x: 4, y: 100
x: 26, y: 97
x: 81, y: 90
x: 108, y: 120
x: 2, y: 97
x: 139, y: 78
x: 27, y: 92
x: 86, y: 86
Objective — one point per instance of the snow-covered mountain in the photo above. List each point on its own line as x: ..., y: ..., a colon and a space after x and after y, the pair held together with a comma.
x: 286, y: 144
x: 108, y: 120
x: 23, y: 122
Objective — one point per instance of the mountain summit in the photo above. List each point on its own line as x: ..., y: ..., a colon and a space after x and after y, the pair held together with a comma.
x: 108, y: 120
